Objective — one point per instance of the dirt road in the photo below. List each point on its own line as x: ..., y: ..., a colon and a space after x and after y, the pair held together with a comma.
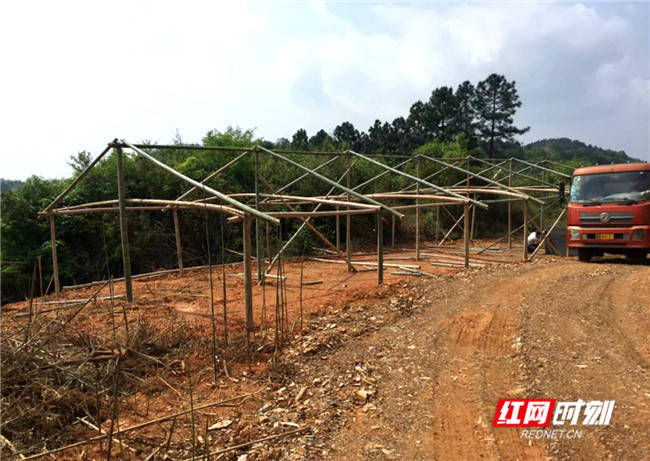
x: 414, y: 370
x: 440, y: 354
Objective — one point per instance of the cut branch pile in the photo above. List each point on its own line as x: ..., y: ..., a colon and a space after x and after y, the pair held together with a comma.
x: 58, y: 380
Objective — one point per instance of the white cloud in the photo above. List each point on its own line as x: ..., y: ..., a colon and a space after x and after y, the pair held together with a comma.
x: 77, y: 74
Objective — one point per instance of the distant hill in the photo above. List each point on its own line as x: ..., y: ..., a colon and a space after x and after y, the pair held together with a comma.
x: 564, y: 149
x: 9, y: 184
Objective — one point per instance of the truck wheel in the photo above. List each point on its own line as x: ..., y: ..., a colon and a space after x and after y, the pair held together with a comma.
x: 584, y: 254
x: 636, y: 256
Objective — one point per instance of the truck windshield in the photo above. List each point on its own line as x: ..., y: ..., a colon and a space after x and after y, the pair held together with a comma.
x: 611, y: 187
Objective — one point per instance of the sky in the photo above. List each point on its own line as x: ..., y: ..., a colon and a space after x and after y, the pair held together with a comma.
x: 77, y: 74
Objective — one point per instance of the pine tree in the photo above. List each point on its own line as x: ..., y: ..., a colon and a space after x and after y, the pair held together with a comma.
x: 496, y: 103
x: 465, y: 117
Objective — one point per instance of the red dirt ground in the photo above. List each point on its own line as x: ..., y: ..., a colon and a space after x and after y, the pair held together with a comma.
x: 172, y: 297
x: 171, y: 302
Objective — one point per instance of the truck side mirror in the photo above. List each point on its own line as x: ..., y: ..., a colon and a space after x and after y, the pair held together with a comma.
x: 561, y: 191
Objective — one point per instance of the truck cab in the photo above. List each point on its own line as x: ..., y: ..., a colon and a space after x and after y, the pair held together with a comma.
x: 609, y: 211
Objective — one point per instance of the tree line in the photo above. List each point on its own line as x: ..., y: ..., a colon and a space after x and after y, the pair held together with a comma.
x: 475, y: 120
x: 482, y: 115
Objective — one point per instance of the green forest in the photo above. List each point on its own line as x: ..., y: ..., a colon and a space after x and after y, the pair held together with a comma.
x: 468, y: 120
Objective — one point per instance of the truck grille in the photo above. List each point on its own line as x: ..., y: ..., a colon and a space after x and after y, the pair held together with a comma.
x: 606, y: 218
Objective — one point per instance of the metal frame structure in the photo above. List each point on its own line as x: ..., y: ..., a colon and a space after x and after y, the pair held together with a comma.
x: 344, y: 200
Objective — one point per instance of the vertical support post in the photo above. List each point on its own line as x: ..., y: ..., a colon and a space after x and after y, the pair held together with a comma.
x: 40, y: 272
x: 466, y: 234
x: 467, y: 231
x: 510, y: 205
x: 348, y: 218
x: 541, y: 217
x: 417, y: 210
x: 392, y: 241
x: 525, y: 239
x: 124, y: 235
x: 248, y: 288
x: 302, y: 266
x: 268, y: 240
x: 473, y: 227
x: 179, y: 247
x: 55, y: 259
x: 258, y: 225
x: 380, y: 249
x: 338, y: 229
x: 437, y: 222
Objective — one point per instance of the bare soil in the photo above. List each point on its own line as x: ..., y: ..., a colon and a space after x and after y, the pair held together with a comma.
x: 409, y: 370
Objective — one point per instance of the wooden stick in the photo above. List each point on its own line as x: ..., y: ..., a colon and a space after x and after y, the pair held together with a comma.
x: 124, y: 234
x: 452, y: 228
x: 302, y: 226
x: 213, y: 322
x: 380, y: 250
x: 302, y: 265
x: 224, y: 303
x: 259, y: 250
x: 312, y: 282
x: 78, y: 300
x: 277, y: 198
x: 466, y: 232
x: 546, y: 235
x: 247, y: 444
x: 99, y: 429
x: 331, y: 182
x: 7, y: 443
x: 209, y: 190
x: 418, y: 272
x: 179, y: 247
x: 309, y: 214
x: 213, y: 174
x: 413, y: 178
x: 76, y: 181
x: 314, y: 230
x: 364, y: 263
x: 417, y: 209
x: 248, y: 289
x: 525, y: 238
x: 139, y: 426
x: 55, y: 259
x: 40, y: 272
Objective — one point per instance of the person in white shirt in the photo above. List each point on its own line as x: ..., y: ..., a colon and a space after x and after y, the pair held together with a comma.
x: 533, y: 240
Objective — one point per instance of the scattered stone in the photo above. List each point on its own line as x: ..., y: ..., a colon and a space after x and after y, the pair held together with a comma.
x: 222, y: 424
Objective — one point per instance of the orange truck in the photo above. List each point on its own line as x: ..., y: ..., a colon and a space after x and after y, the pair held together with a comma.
x: 609, y: 211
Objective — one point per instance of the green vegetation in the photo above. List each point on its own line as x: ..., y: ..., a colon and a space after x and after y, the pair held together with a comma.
x: 571, y: 152
x: 9, y: 184
x: 449, y: 124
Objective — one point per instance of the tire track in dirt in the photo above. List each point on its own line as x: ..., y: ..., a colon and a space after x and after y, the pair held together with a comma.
x: 473, y: 325
x: 585, y: 352
x: 485, y: 367
x: 564, y: 330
